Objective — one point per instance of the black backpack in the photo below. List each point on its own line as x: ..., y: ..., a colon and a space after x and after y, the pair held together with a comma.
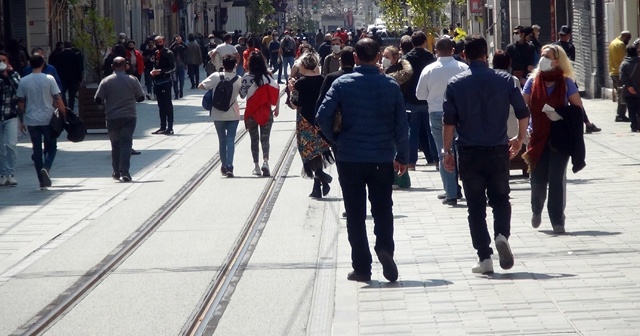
x: 223, y: 94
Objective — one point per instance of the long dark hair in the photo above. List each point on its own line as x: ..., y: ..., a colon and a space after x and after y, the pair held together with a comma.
x: 257, y: 67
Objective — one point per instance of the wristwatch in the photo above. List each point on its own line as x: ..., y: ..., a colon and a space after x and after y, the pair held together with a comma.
x: 447, y: 151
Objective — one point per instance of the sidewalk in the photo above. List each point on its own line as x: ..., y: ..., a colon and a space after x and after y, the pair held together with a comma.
x: 585, y: 282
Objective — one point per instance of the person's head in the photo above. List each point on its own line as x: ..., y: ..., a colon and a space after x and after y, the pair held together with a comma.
x: 475, y: 49
x: 119, y: 50
x: 526, y: 34
x: 320, y: 31
x: 131, y: 45
x: 565, y: 33
x: 418, y: 39
x: 177, y: 39
x: 122, y: 37
x: 250, y: 43
x: 536, y: 30
x: 68, y: 44
x: 632, y: 51
x: 37, y: 50
x: 242, y: 40
x: 304, y: 48
x: 367, y: 52
x: 59, y: 45
x: 150, y: 44
x: 159, y: 41
x: 336, y: 45
x: 445, y: 47
x: 501, y: 60
x: 257, y: 66
x: 119, y: 64
x: 553, y: 57
x: 405, y: 44
x: 229, y: 63
x: 191, y: 38
x: 309, y: 61
x: 4, y: 58
x: 445, y: 31
x: 625, y: 36
x: 327, y: 38
x: 390, y: 56
x: 36, y: 61
x: 346, y: 58
x: 227, y: 38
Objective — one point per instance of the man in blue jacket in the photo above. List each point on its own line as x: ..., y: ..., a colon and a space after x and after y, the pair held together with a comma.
x: 373, y: 143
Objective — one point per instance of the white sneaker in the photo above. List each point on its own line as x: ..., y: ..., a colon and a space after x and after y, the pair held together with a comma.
x: 257, y: 171
x: 11, y: 180
x: 504, y: 251
x: 4, y: 180
x: 265, y: 169
x: 483, y: 267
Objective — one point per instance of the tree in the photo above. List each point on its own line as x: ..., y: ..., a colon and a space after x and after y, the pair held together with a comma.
x: 393, y: 14
x: 258, y: 16
x: 421, y: 11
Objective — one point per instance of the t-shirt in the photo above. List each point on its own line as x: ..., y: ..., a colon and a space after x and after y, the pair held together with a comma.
x: 233, y: 113
x: 222, y: 50
x: 120, y: 93
x: 38, y: 90
x: 308, y: 88
x: 572, y: 88
x: 249, y: 86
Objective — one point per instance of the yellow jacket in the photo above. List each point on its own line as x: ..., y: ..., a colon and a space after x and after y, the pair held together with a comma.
x: 617, y: 52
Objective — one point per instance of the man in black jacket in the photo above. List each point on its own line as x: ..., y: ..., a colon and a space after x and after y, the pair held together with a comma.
x: 70, y: 66
x: 179, y: 50
x: 347, y: 63
x: 162, y: 71
x: 419, y: 58
x: 522, y: 53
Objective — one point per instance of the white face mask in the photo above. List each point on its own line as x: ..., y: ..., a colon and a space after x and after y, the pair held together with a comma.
x: 212, y: 41
x: 335, y: 49
x: 545, y: 64
x: 3, y: 66
x: 386, y: 62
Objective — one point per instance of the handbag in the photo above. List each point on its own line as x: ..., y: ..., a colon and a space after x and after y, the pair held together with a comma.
x: 76, y: 130
x: 56, y: 124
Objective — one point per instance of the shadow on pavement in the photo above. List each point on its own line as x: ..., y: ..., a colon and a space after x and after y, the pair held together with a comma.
x: 592, y: 233
x: 584, y: 181
x: 329, y: 199
x: 375, y: 284
x: 416, y: 189
x: 527, y: 276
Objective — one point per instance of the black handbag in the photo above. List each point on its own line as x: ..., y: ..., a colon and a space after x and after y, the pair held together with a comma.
x: 76, y: 130
x: 56, y: 124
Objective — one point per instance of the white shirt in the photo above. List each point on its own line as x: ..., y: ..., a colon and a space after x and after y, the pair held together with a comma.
x: 222, y: 50
x: 434, y: 78
x: 38, y: 90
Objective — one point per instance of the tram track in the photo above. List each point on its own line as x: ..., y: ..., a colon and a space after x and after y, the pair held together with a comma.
x: 69, y: 298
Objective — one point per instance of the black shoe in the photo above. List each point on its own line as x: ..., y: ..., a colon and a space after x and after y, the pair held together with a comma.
x: 160, y: 131
x: 46, y: 178
x: 592, y: 129
x: 326, y: 179
x: 353, y: 276
x: 316, y: 192
x: 229, y: 172
x: 442, y: 196
x: 450, y: 201
x: 389, y: 268
x: 115, y: 176
x: 148, y: 97
x: 168, y: 132
x: 135, y: 152
x: 223, y: 170
x: 126, y: 177
x: 175, y: 97
x: 181, y: 94
x: 622, y: 119
x: 344, y: 214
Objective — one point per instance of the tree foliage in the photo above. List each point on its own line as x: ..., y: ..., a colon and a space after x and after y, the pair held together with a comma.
x: 393, y: 14
x: 420, y: 12
x: 258, y: 18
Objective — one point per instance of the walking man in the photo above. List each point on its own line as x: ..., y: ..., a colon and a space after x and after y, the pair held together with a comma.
x: 431, y: 86
x: 9, y: 82
x: 119, y: 92
x: 162, y: 71
x: 367, y: 154
x: 617, y: 52
x: 194, y: 59
x: 179, y: 50
x: 477, y: 107
x: 37, y: 95
x: 70, y: 66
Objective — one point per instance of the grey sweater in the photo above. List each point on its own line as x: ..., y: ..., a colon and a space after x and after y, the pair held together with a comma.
x: 119, y: 92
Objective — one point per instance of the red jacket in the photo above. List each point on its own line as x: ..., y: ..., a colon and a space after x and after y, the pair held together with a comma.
x: 139, y: 61
x: 259, y: 104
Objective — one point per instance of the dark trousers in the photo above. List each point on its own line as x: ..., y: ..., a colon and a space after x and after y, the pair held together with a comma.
x: 178, y: 83
x: 485, y: 172
x: 419, y: 124
x: 633, y: 104
x: 42, y: 158
x: 355, y: 179
x: 617, y: 86
x: 194, y: 74
x: 551, y: 170
x: 121, y: 137
x: 276, y: 67
x: 148, y: 80
x: 165, y: 106
x: 70, y: 89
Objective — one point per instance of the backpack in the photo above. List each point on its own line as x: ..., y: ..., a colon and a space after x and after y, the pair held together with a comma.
x: 75, y: 127
x: 220, y: 97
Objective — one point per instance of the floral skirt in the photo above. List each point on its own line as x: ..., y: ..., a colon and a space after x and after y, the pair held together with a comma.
x: 314, y: 150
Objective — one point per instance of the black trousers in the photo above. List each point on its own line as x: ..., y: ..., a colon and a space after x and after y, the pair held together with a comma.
x: 484, y: 171
x: 121, y: 137
x: 165, y: 106
x: 355, y: 179
x: 70, y: 90
x: 194, y: 74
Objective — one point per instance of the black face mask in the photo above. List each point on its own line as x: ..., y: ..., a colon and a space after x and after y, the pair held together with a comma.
x: 159, y: 46
x: 132, y: 48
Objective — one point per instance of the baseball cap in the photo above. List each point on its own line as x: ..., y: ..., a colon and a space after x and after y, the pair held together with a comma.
x: 518, y: 29
x: 564, y: 30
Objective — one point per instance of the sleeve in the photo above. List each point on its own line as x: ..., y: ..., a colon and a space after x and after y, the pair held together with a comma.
x: 527, y: 86
x: 401, y: 131
x: 327, y: 112
x: 624, y: 76
x: 54, y: 86
x: 54, y: 73
x: 20, y: 91
x: 326, y: 84
x: 208, y: 82
x: 247, y: 81
x: 138, y: 88
x: 100, y: 91
x: 422, y: 89
x: 572, y: 88
x: 517, y: 101
x: 450, y: 115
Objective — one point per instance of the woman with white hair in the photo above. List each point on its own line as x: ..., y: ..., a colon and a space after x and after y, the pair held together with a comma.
x: 550, y: 87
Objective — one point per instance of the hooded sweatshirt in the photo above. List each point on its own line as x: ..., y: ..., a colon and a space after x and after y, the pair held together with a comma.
x: 629, y: 77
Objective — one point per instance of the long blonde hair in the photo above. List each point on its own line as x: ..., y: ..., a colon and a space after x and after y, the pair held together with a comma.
x: 563, y: 61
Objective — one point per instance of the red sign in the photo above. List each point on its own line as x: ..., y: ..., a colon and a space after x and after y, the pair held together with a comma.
x: 476, y: 6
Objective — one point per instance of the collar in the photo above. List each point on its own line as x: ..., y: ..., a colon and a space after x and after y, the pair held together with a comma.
x: 478, y: 64
x: 366, y: 68
x: 445, y: 59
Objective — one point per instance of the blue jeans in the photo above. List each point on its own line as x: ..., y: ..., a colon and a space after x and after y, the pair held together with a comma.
x: 178, y: 81
x: 550, y: 170
x: 449, y: 180
x: 226, y: 139
x: 8, y: 142
x: 485, y: 172
x: 418, y: 122
x: 287, y: 61
x: 40, y: 135
x: 121, y: 137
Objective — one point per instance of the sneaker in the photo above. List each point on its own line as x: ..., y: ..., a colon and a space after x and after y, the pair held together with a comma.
x: 223, y: 170
x: 483, y: 267
x: 148, y: 96
x: 46, y: 178
x: 558, y: 229
x: 504, y: 251
x: 4, y: 180
x: 11, y: 180
x: 592, y: 129
x: 115, y: 176
x: 389, y: 268
x: 265, y: 169
x: 168, y: 132
x: 444, y: 196
x: 160, y: 131
x: 257, y: 171
x: 126, y: 177
x: 536, y: 220
x: 229, y: 171
x: 43, y: 187
x: 353, y: 276
x: 622, y: 119
x: 135, y: 152
x: 450, y: 201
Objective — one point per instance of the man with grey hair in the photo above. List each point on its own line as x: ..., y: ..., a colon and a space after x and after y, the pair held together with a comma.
x: 119, y: 92
x: 431, y: 87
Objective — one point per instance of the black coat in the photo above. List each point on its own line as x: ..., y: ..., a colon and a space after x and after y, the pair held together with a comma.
x: 418, y: 58
x: 567, y: 136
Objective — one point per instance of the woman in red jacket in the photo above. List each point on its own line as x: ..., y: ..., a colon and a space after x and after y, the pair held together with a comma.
x: 134, y: 57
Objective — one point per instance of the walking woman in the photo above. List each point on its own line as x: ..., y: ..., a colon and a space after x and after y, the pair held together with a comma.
x: 551, y: 83
x: 315, y: 152
x: 262, y: 92
x: 226, y: 122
